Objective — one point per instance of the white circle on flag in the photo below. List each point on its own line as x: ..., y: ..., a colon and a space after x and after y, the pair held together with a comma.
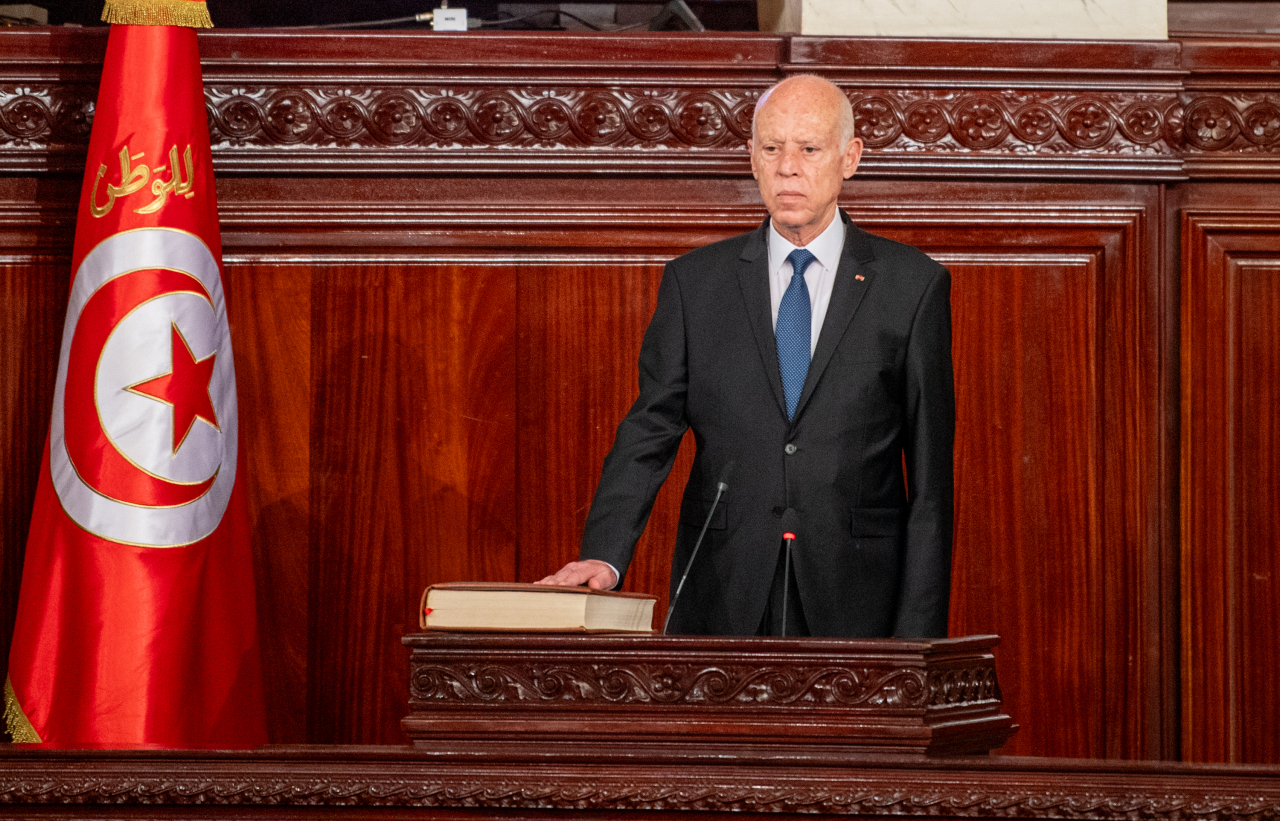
x: 140, y: 428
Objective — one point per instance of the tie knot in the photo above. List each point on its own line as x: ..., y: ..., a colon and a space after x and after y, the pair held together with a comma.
x: 800, y: 260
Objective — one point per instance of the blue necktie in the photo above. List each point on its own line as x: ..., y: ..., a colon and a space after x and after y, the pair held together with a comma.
x: 793, y: 331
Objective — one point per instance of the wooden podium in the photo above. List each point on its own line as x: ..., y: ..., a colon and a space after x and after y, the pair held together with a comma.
x: 625, y: 698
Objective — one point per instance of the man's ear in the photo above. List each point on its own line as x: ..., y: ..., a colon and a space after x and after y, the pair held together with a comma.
x: 852, y: 156
x: 751, y: 150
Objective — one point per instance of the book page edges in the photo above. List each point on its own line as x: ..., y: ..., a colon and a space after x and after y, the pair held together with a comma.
x: 629, y: 618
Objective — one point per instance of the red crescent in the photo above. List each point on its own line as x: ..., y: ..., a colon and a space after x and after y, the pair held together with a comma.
x: 93, y: 455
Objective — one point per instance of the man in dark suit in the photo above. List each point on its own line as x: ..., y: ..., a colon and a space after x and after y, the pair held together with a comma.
x: 815, y: 358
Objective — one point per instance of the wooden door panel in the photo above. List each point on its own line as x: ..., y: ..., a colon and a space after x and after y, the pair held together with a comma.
x: 1256, y: 427
x: 1028, y: 523
x: 413, y: 429
x: 1230, y: 485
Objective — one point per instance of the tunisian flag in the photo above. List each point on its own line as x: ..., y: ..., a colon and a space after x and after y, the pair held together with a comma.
x: 136, y: 621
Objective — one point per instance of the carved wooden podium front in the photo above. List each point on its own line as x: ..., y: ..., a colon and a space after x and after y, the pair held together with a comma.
x: 625, y: 698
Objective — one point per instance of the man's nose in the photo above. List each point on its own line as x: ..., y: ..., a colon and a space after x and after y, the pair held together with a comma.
x: 790, y: 163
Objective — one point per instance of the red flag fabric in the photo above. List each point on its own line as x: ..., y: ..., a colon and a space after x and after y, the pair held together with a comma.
x: 136, y: 619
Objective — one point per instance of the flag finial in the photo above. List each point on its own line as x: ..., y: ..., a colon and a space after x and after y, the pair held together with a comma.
x: 190, y: 13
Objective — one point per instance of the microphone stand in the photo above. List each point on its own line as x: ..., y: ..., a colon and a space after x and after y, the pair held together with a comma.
x: 787, y: 537
x: 721, y: 487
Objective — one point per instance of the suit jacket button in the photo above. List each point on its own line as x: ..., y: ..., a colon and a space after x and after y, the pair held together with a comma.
x: 790, y: 448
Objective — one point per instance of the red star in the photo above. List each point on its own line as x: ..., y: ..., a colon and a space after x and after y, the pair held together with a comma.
x: 186, y: 388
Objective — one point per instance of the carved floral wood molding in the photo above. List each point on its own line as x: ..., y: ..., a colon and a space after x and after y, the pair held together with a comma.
x: 952, y: 792
x: 543, y: 119
x: 724, y: 685
x: 1243, y: 123
x: 417, y: 129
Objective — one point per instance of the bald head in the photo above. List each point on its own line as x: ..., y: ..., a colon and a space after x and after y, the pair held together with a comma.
x: 820, y: 93
x: 803, y: 148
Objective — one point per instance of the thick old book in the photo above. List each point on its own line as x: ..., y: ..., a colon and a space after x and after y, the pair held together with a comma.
x: 491, y: 607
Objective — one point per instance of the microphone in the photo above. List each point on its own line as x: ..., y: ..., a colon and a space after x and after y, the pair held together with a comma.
x: 788, y: 535
x: 722, y: 487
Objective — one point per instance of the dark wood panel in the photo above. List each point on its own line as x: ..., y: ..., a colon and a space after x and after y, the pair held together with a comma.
x: 1230, y: 515
x: 269, y: 310
x: 1085, y: 616
x: 580, y: 331
x: 33, y: 305
x: 1028, y: 524
x: 1209, y: 661
x: 412, y: 470
x: 652, y: 214
x: 1136, y: 548
x: 1257, y: 482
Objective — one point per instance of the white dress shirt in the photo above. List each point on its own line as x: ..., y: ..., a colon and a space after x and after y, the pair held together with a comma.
x: 819, y: 277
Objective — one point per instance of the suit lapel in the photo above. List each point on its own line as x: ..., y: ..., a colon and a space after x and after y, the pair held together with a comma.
x: 846, y: 295
x: 753, y: 279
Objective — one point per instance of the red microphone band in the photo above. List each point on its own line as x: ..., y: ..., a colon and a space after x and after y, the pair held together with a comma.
x: 789, y: 536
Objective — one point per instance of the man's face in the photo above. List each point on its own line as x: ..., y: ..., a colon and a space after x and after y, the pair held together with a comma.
x: 799, y: 159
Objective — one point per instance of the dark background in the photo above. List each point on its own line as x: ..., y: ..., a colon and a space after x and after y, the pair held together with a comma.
x: 717, y: 15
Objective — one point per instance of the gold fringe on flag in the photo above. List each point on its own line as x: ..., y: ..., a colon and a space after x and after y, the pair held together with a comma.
x: 20, y: 728
x: 190, y: 13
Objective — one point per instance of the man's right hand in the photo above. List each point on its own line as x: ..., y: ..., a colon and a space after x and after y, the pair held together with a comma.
x: 593, y: 573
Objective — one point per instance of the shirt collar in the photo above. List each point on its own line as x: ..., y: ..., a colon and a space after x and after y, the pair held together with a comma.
x: 827, y: 246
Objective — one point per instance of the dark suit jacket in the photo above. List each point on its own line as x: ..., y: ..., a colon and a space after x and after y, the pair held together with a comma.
x: 872, y: 555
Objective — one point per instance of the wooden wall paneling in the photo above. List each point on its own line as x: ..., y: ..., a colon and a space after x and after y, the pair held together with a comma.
x: 1229, y: 108
x: 1028, y: 540
x: 1256, y: 423
x: 269, y: 311
x: 35, y: 221
x: 331, y: 149
x: 409, y: 104
x: 1230, y: 490
x: 953, y: 108
x: 581, y: 323
x: 33, y: 306
x: 546, y: 328
x: 1166, y: 655
x: 401, y: 102
x: 413, y: 429
x: 559, y: 215
x: 1056, y: 344
x: 1132, y: 420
